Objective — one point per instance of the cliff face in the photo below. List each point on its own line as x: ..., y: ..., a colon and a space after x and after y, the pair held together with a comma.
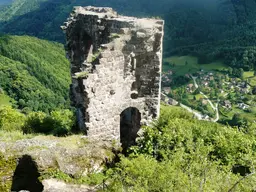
x: 115, y: 64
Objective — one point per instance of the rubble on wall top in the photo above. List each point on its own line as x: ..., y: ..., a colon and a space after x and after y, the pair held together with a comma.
x: 99, y: 11
x: 107, y: 12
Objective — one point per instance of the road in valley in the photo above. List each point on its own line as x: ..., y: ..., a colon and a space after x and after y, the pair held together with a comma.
x: 215, y: 108
x: 196, y: 113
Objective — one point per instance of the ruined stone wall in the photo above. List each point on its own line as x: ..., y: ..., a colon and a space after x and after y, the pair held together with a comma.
x: 115, y: 64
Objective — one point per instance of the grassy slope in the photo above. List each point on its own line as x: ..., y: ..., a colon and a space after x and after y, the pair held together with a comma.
x: 192, y: 64
x: 250, y: 76
x: 35, y: 71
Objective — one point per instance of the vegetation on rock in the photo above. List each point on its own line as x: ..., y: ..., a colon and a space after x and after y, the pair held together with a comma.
x: 7, y: 166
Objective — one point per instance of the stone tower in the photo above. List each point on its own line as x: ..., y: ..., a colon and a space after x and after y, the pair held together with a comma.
x: 116, y: 71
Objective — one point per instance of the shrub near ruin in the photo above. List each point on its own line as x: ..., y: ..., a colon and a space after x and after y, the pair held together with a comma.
x: 10, y: 119
x: 58, y: 122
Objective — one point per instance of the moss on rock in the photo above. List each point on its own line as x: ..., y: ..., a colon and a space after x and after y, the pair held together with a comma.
x: 7, y: 167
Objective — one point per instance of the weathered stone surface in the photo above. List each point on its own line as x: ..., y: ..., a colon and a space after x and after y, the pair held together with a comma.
x: 123, y: 59
x: 71, y: 155
x: 74, y: 155
x: 53, y: 185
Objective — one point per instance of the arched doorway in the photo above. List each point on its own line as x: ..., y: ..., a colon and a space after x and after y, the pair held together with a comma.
x: 129, y: 126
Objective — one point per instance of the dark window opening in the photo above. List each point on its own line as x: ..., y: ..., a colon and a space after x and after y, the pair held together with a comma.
x: 82, y: 50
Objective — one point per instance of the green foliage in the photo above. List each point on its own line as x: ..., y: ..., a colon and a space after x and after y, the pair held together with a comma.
x: 4, y: 99
x: 58, y: 122
x: 19, y: 7
x: 170, y: 133
x: 96, y: 55
x: 7, y: 167
x: 12, y: 136
x: 82, y: 74
x: 114, y: 36
x: 64, y: 120
x: 90, y: 179
x: 34, y: 72
x: 194, y: 173
x: 181, y: 153
x: 179, y: 80
x: 10, y: 119
x: 38, y: 122
x: 141, y: 174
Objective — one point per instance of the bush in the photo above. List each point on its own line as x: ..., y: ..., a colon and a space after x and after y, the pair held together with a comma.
x: 64, y: 120
x: 184, y: 154
x: 195, y: 173
x: 180, y: 132
x: 58, y: 123
x: 38, y: 122
x: 11, y: 119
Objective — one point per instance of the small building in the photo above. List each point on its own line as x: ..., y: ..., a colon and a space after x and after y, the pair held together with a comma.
x: 205, y: 117
x: 244, y: 90
x: 190, y: 87
x: 230, y: 86
x: 164, y: 98
x: 227, y: 104
x: 205, y: 83
x: 204, y: 102
x: 166, y: 90
x: 172, y: 102
x: 243, y: 106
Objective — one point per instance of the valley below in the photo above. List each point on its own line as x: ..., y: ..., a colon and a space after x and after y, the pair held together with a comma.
x: 204, y: 138
x: 209, y: 88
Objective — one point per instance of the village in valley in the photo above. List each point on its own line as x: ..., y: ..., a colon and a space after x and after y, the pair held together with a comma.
x: 212, y: 92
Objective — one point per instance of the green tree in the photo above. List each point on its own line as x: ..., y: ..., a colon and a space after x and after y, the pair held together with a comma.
x: 180, y: 153
x: 10, y: 119
x: 64, y: 120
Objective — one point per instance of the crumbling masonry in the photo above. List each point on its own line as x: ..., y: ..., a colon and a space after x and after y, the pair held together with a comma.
x: 116, y: 71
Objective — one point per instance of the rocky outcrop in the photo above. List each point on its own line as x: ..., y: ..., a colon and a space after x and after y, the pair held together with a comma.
x: 50, y: 158
x: 116, y: 69
x: 72, y: 155
x: 53, y: 185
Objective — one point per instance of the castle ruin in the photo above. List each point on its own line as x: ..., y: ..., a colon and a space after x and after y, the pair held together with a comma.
x: 116, y: 71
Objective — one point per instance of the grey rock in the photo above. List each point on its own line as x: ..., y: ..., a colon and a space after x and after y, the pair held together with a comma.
x: 53, y: 185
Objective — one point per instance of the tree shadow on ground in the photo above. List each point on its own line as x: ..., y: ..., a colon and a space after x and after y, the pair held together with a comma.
x: 26, y: 176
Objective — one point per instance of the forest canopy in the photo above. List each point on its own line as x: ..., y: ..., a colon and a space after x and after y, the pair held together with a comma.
x: 35, y: 73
